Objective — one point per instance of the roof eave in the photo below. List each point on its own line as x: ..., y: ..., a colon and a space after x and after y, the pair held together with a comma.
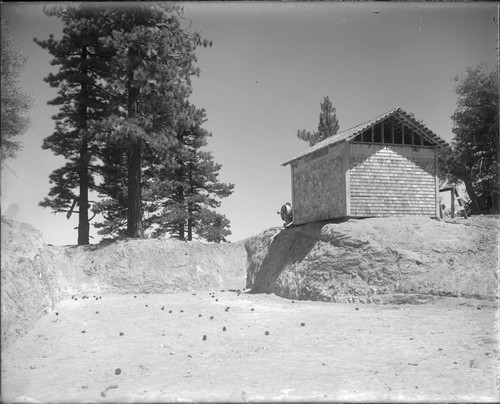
x: 313, y: 151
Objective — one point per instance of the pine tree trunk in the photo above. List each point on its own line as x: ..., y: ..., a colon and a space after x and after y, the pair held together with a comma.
x: 190, y: 226
x: 180, y: 199
x: 83, y: 174
x: 134, y: 211
x: 190, y: 209
x: 181, y: 231
x: 134, y: 205
x: 83, y: 210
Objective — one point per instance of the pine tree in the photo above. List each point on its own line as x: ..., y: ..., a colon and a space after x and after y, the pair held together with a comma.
x: 204, y: 194
x: 184, y: 189
x: 327, y: 127
x: 153, y: 63
x: 83, y: 63
x: 212, y: 226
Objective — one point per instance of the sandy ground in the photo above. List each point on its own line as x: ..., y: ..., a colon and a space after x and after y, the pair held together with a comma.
x: 447, y: 351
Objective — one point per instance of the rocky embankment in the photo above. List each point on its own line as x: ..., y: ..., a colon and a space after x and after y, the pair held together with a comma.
x: 377, y: 260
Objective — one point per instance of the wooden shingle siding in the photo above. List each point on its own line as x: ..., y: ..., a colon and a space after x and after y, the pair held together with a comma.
x: 318, y: 185
x: 391, y: 180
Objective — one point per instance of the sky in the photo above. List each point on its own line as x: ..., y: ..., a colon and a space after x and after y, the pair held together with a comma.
x: 270, y: 67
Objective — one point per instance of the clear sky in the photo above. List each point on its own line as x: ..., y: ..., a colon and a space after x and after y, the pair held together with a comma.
x: 269, y: 69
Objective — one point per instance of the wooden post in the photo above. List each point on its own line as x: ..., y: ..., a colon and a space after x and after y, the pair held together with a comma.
x: 402, y: 133
x: 382, y: 130
x: 347, y: 164
x: 373, y: 134
x: 412, y: 138
x: 392, y: 130
x: 453, y: 203
x: 436, y: 179
x: 293, y: 189
x: 421, y: 140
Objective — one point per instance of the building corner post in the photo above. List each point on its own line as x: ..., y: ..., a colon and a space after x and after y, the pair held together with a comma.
x: 436, y: 170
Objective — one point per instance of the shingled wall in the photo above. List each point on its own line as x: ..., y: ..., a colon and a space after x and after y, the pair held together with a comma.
x: 318, y: 185
x: 392, y: 180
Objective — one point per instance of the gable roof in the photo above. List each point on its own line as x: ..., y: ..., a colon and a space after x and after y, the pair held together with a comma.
x: 350, y: 134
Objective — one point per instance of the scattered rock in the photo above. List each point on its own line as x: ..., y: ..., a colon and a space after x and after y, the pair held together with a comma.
x: 121, y: 334
x: 302, y: 324
x: 146, y: 305
x: 118, y: 371
x: 223, y: 328
x: 266, y: 333
x: 211, y: 317
x: 204, y: 338
x: 252, y: 309
x: 170, y: 311
x: 57, y: 313
x: 182, y: 311
x: 199, y: 315
x: 97, y: 312
x: 83, y: 332
x: 163, y: 308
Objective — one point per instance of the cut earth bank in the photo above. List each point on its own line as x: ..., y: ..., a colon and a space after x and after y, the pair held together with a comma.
x: 142, y: 341
x: 379, y: 260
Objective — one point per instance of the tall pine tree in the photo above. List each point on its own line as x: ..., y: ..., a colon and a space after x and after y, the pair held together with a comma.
x: 327, y: 127
x: 153, y: 63
x: 83, y: 62
x: 123, y: 73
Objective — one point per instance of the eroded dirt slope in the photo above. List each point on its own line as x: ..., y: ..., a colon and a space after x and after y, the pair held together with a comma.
x: 35, y: 276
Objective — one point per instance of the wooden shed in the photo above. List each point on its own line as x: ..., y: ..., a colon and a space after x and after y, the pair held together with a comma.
x: 387, y: 166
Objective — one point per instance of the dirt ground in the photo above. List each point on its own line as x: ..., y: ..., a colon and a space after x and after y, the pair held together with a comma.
x: 446, y: 351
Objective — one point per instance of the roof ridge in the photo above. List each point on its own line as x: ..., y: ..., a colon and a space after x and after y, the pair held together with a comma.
x: 391, y: 111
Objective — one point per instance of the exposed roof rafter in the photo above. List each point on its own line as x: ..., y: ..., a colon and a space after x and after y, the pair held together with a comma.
x: 349, y: 134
